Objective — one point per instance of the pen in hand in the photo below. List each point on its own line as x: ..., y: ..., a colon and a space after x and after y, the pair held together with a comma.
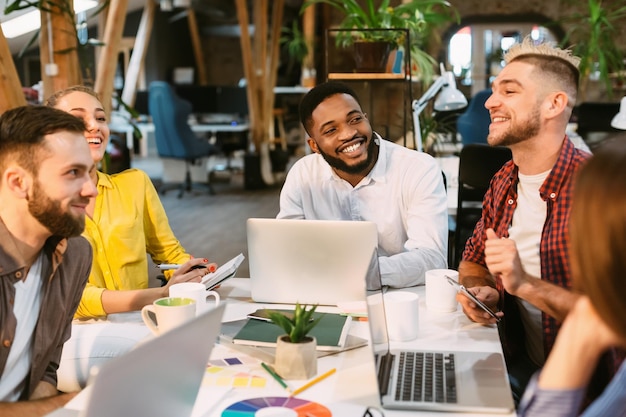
x: 169, y: 267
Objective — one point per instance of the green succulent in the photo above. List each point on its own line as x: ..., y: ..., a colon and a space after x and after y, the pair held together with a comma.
x: 298, y: 326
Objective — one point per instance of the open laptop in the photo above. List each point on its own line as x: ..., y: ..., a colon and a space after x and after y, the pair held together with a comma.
x: 309, y: 261
x: 453, y: 381
x: 159, y: 378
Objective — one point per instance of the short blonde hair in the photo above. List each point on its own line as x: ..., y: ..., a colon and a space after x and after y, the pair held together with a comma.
x: 547, y: 49
x: 557, y: 68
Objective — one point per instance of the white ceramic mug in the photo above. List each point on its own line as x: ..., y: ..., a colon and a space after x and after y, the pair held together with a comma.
x: 169, y: 312
x: 402, y: 312
x: 196, y: 291
x: 440, y: 295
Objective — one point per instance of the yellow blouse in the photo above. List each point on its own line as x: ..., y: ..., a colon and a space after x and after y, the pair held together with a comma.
x: 128, y: 222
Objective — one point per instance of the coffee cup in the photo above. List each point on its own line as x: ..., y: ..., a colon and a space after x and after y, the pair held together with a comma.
x: 440, y: 295
x: 376, y: 317
x: 196, y: 291
x: 168, y: 313
x: 402, y: 313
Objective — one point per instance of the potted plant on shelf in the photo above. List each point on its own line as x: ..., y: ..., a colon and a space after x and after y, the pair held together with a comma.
x: 418, y: 18
x: 592, y: 33
x: 296, y: 356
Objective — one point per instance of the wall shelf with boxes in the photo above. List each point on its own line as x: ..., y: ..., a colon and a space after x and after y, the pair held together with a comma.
x: 384, y: 84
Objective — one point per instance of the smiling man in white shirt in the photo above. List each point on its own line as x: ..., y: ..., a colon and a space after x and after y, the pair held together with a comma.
x: 354, y: 174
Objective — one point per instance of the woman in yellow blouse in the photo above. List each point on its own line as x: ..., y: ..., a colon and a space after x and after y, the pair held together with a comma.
x: 124, y: 222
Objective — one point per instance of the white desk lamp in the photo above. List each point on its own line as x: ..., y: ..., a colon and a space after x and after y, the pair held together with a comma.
x: 449, y: 99
x: 619, y: 120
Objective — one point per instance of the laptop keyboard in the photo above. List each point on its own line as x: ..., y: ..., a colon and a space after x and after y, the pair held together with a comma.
x: 426, y: 377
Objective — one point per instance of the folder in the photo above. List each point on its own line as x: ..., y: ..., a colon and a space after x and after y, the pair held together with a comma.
x: 330, y: 332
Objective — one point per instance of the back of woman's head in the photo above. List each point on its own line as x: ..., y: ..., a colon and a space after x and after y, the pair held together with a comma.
x: 598, y: 232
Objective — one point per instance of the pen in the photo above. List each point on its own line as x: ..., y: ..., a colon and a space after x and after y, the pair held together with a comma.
x: 276, y: 377
x: 313, y: 382
x: 168, y: 267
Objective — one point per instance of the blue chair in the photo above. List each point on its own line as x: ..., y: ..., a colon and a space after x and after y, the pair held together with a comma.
x: 174, y: 137
x: 473, y: 124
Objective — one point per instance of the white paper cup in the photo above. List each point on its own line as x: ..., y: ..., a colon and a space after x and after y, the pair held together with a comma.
x: 402, y: 311
x: 196, y: 291
x: 440, y: 295
x: 376, y: 318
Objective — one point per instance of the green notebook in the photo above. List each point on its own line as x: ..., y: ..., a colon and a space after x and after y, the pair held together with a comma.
x: 330, y: 332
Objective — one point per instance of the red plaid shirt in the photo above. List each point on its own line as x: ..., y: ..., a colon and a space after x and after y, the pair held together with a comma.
x: 498, y: 207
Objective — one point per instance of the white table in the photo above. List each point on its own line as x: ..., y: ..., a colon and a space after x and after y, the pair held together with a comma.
x: 353, y: 387
x: 146, y: 128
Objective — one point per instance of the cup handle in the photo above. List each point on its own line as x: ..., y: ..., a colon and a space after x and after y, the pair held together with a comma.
x: 214, y: 294
x: 148, y: 318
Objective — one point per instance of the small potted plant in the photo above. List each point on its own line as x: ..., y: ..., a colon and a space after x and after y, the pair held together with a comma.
x: 296, y: 356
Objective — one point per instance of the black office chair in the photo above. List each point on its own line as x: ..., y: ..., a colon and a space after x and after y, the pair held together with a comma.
x: 174, y: 137
x: 477, y: 165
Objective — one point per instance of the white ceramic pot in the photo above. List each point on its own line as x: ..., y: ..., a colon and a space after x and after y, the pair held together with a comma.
x: 296, y: 360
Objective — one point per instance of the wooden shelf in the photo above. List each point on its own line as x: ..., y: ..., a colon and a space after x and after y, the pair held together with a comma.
x: 364, y: 76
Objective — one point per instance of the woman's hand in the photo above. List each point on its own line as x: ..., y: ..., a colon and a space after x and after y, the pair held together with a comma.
x: 583, y: 337
x: 191, y: 271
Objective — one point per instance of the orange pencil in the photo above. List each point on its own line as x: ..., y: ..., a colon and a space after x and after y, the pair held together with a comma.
x: 312, y: 382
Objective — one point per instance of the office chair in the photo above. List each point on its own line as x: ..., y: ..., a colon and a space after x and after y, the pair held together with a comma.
x: 174, y: 137
x: 473, y: 124
x: 477, y: 165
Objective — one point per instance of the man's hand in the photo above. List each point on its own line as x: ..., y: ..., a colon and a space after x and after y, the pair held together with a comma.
x: 503, y: 260
x: 488, y: 296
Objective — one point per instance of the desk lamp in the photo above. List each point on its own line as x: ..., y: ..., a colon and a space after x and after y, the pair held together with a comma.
x: 619, y: 120
x: 449, y: 99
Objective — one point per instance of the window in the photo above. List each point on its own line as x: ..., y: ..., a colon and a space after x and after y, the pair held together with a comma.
x: 475, y: 51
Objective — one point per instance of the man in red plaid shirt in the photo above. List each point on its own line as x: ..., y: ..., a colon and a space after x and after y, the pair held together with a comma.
x: 517, y: 259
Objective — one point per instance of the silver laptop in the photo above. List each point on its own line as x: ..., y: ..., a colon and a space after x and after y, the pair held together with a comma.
x: 453, y: 381
x: 309, y: 261
x: 159, y: 378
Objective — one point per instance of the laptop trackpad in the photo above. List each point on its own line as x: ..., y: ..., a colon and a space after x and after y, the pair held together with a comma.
x: 483, y: 380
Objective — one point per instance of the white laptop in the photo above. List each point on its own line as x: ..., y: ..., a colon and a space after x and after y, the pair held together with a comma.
x: 309, y: 261
x: 159, y: 378
x: 453, y: 381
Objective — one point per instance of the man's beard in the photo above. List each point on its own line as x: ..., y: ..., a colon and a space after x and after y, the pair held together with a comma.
x: 341, y: 165
x: 50, y: 214
x: 519, y: 132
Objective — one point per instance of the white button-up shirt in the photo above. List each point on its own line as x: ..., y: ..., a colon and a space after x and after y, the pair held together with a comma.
x: 403, y: 194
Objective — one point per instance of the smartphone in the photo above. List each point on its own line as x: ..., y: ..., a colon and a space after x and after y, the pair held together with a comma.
x: 472, y: 297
